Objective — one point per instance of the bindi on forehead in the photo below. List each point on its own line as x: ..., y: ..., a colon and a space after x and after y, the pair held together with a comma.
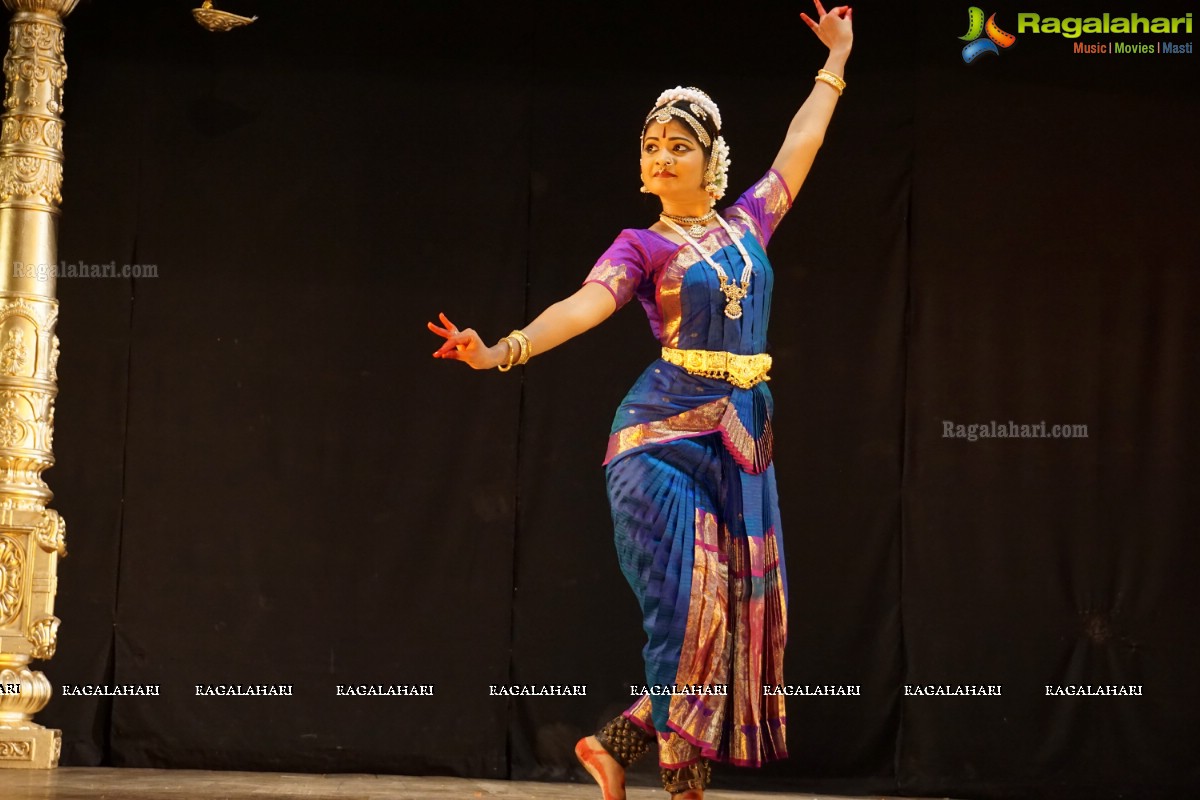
x: 671, y: 130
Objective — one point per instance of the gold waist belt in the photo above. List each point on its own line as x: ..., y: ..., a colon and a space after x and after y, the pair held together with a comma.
x: 741, y: 371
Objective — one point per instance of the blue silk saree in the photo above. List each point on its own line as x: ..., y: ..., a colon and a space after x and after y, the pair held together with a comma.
x: 691, y: 484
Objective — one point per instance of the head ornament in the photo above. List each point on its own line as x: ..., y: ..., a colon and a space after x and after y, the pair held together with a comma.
x: 691, y: 105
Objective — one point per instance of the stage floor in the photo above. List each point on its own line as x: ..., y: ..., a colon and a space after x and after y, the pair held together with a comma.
x: 78, y: 783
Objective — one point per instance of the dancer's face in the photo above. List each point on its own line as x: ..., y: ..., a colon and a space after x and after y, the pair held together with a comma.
x: 672, y: 160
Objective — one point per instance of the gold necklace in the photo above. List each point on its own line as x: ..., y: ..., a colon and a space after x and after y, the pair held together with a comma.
x: 734, y: 293
x: 697, y: 224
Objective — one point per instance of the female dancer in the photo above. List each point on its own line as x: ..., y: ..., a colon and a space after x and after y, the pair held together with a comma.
x: 689, y: 469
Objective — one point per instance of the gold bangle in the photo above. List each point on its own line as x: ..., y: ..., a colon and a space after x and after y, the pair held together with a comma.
x: 838, y: 78
x: 505, y: 367
x: 526, y: 347
x: 833, y: 79
x: 518, y: 350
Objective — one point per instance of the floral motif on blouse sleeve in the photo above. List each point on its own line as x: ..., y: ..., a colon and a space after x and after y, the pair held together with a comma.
x: 621, y: 269
x: 764, y: 204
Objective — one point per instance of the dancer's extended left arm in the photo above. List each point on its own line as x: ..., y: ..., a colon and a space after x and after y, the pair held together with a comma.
x: 590, y: 305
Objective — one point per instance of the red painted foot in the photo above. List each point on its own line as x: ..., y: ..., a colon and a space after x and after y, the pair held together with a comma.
x: 602, y: 767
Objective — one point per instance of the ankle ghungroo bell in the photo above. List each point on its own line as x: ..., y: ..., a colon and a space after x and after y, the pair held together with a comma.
x: 624, y: 741
x: 697, y: 775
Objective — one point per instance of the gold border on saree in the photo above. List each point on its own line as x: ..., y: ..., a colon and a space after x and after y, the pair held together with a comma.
x: 741, y: 371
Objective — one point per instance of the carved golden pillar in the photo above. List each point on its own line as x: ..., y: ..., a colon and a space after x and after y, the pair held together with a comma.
x: 31, y: 535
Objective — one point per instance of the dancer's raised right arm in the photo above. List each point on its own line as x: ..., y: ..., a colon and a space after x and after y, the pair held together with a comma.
x: 567, y: 318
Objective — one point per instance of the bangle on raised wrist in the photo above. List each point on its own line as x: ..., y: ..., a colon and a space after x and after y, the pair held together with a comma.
x: 833, y: 79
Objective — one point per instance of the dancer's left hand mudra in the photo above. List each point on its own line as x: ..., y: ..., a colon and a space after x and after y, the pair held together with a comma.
x: 463, y: 345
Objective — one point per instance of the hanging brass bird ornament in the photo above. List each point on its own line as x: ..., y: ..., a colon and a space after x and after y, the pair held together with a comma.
x: 216, y: 20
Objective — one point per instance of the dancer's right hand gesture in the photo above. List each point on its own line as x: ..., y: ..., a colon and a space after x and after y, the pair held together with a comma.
x: 464, y: 345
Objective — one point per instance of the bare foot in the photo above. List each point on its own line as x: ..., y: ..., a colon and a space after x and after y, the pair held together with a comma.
x: 602, y: 767
x: 690, y: 794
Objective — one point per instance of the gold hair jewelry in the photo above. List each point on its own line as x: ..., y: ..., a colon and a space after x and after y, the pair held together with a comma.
x: 664, y: 114
x: 697, y: 224
x: 526, y: 347
x: 699, y: 102
x: 833, y: 79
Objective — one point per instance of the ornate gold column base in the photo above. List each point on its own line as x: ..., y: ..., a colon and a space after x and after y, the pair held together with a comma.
x: 33, y: 747
x: 23, y: 692
x: 30, y: 545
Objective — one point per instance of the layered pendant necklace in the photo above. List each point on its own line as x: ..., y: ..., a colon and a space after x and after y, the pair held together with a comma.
x: 734, y: 293
x: 698, y: 224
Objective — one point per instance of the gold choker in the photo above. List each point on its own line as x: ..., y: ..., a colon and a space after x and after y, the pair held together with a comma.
x: 698, y: 226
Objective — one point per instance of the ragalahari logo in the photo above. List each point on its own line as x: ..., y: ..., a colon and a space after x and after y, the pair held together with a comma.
x: 976, y: 46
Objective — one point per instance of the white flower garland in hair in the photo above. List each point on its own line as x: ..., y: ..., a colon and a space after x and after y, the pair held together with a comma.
x: 717, y: 176
x: 694, y: 96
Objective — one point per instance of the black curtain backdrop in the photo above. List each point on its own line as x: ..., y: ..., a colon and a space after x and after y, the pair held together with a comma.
x: 267, y: 479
